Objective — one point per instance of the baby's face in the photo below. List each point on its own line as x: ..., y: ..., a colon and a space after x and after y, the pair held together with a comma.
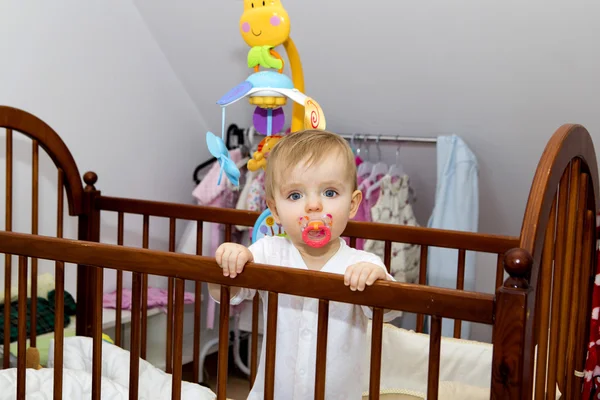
x: 324, y: 187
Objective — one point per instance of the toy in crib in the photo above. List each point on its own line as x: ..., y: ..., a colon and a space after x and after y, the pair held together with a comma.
x: 32, y: 358
x: 266, y: 226
x: 265, y: 25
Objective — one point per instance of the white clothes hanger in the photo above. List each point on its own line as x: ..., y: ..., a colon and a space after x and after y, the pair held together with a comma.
x: 395, y: 171
x: 380, y: 168
x: 366, y: 166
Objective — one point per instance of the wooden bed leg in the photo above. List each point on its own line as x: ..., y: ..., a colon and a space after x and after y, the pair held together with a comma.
x: 510, y: 329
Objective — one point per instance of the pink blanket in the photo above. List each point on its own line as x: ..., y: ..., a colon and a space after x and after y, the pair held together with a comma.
x: 156, y: 298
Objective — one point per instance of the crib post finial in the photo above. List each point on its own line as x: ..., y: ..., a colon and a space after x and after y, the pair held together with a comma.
x: 518, y: 263
x: 90, y: 178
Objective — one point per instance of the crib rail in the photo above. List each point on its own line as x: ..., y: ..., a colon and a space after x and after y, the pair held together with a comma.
x: 426, y: 238
x: 468, y: 241
x: 447, y: 303
x: 476, y: 307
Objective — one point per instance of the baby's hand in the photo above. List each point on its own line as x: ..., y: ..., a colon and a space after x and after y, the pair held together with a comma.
x: 232, y: 257
x: 363, y: 273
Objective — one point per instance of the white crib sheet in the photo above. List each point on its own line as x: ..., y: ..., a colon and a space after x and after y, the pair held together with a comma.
x: 77, y: 370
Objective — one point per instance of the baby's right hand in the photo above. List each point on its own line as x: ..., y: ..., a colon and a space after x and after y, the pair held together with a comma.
x: 232, y: 257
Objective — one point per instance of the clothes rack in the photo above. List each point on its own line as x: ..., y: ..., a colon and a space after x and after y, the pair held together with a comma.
x: 388, y: 138
x: 382, y: 138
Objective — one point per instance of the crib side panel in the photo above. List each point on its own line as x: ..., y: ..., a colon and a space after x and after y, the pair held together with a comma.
x: 198, y: 230
x: 276, y: 280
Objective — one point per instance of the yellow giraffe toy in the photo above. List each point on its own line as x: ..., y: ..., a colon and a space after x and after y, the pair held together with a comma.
x: 265, y: 25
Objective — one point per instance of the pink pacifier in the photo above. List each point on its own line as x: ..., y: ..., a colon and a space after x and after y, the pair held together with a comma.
x: 316, y: 232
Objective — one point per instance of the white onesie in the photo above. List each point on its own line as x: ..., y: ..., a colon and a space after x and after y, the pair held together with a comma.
x: 347, y: 359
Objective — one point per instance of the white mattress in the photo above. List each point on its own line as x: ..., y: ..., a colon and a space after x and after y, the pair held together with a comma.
x: 77, y: 371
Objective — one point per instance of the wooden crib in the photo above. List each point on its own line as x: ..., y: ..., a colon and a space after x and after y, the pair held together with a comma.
x: 543, y: 304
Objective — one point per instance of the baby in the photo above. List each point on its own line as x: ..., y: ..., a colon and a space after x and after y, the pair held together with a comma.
x: 311, y: 190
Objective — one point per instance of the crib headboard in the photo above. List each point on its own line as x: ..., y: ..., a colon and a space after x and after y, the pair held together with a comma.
x: 543, y: 309
x: 40, y: 135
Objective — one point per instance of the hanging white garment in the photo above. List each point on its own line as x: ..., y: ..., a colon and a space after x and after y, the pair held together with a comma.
x: 393, y: 207
x: 456, y: 208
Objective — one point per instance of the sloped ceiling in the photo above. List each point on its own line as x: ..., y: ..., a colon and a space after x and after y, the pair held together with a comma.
x: 201, y: 41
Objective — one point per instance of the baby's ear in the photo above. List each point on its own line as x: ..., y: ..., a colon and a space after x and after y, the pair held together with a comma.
x: 273, y: 208
x: 355, y: 203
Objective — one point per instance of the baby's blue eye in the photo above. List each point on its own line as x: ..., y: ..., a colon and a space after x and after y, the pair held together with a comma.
x: 330, y: 193
x: 294, y: 196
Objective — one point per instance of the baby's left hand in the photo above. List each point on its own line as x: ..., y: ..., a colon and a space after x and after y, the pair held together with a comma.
x: 363, y: 274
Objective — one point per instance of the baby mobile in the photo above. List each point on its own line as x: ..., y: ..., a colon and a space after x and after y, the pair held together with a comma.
x: 265, y: 25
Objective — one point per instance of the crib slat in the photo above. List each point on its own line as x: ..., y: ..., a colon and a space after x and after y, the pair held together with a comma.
x: 144, y: 328
x: 568, y: 272
x: 224, y: 333
x: 6, y: 328
x: 557, y: 284
x: 223, y: 343
x: 8, y: 257
x: 254, y: 344
x: 586, y: 281
x: 228, y: 233
x: 60, y: 203
x: 422, y: 281
x: 576, y: 289
x: 321, y: 349
x: 273, y: 300
x: 387, y: 255
x: 197, y: 307
x: 460, y: 285
x: 22, y: 328
x: 353, y: 242
x: 435, y: 344
x: 544, y: 308
x: 134, y: 355
x: 170, y: 290
x: 118, y: 311
x: 97, y: 333
x: 59, y: 330
x: 376, y: 348
x: 59, y: 303
x: 178, y: 333
x: 34, y: 231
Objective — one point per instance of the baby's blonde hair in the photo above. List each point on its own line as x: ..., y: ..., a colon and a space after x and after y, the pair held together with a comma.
x: 311, y: 145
